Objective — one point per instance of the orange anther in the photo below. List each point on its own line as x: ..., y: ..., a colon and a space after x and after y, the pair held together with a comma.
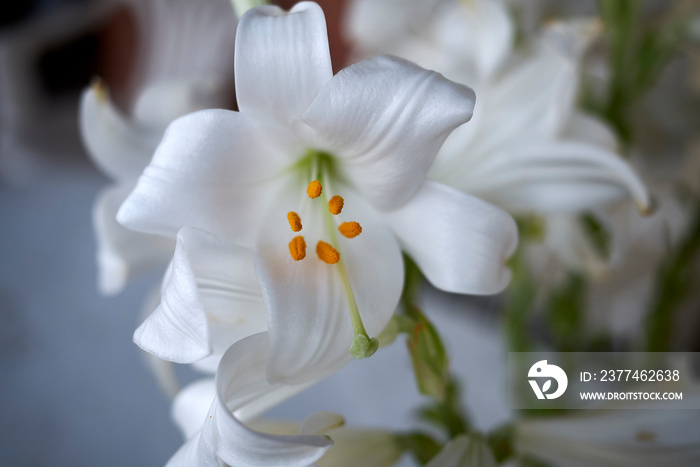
x: 294, y: 221
x: 335, y: 205
x: 327, y: 253
x: 350, y: 229
x: 314, y: 189
x: 297, y: 248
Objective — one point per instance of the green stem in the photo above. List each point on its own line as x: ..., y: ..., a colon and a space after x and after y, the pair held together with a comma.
x: 674, y: 281
x: 430, y: 362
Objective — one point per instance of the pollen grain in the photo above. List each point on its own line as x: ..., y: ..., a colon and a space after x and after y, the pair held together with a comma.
x: 297, y: 248
x: 350, y: 229
x: 294, y: 221
x: 327, y: 253
x: 314, y: 189
x: 335, y: 205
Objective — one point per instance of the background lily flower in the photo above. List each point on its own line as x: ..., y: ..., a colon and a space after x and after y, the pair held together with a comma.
x: 610, y: 437
x: 185, y: 65
x: 528, y: 149
x: 335, y: 163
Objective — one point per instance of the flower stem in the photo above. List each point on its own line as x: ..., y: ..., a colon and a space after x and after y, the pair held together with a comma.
x: 430, y: 362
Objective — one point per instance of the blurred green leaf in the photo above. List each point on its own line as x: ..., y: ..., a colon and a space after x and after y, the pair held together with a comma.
x: 565, y: 311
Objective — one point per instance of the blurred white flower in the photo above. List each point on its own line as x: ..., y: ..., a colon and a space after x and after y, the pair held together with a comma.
x: 635, y: 436
x: 186, y: 64
x: 639, y: 248
x: 311, y: 155
x: 528, y: 149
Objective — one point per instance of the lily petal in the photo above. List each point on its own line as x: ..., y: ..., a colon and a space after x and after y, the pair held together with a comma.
x: 183, y: 41
x: 588, y: 129
x: 476, y: 34
x: 557, y: 177
x: 387, y: 118
x: 241, y: 381
x: 192, y: 404
x: 309, y: 319
x: 121, y: 252
x: 464, y: 451
x: 211, y: 299
x: 119, y: 147
x: 281, y: 60
x: 230, y: 174
x: 460, y: 242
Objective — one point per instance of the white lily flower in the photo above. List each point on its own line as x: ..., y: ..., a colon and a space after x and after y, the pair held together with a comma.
x: 610, y: 437
x: 464, y: 451
x: 335, y: 161
x: 527, y: 149
x: 186, y: 65
x: 241, y: 392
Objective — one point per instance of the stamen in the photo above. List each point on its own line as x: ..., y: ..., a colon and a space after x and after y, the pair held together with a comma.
x: 350, y: 229
x: 297, y: 248
x: 314, y: 189
x: 294, y: 221
x: 327, y: 253
x: 335, y: 205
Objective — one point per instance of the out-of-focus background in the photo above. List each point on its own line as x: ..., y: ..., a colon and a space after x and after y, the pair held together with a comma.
x: 74, y: 389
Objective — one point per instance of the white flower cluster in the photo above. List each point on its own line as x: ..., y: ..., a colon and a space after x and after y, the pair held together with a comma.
x: 282, y: 227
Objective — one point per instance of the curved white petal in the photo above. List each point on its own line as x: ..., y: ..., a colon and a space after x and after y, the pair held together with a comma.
x: 200, y: 449
x: 387, y: 118
x: 211, y: 172
x: 211, y: 299
x: 191, y: 406
x: 460, y: 242
x: 464, y: 451
x: 309, y: 319
x: 119, y: 147
x: 162, y: 370
x: 281, y: 61
x: 241, y: 381
x: 557, y: 177
x: 121, y: 252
